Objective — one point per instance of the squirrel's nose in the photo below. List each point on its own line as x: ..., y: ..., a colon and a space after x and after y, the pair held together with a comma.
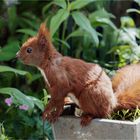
x: 17, y: 55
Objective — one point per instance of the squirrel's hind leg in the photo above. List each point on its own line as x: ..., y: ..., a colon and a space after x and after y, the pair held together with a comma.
x: 86, y: 119
x: 95, y: 103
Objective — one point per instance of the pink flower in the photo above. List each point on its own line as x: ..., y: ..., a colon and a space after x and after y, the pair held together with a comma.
x: 8, y: 101
x: 23, y: 107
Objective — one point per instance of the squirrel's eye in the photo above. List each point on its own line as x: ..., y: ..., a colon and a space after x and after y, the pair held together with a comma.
x: 29, y: 50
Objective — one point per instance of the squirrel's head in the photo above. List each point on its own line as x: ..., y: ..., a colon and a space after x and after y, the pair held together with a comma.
x: 36, y: 48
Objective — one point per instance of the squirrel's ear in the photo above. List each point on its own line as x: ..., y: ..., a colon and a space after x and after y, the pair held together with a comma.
x: 43, y: 35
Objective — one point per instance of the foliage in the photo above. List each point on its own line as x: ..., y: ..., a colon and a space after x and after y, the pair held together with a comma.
x: 27, y: 122
x: 2, y: 133
x: 80, y: 28
x: 19, y: 98
x: 130, y: 115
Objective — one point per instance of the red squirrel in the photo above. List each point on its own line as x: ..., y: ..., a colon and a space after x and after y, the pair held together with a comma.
x: 86, y: 83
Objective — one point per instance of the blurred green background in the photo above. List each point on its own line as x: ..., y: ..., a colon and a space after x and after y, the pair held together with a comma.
x: 106, y: 32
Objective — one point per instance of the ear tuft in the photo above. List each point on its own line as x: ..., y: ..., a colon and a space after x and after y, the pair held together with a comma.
x: 43, y: 35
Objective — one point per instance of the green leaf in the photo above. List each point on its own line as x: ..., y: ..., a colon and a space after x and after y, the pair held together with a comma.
x: 18, y: 96
x: 107, y: 22
x: 13, y: 18
x: 9, y: 51
x: 138, y: 2
x: 84, y: 23
x: 45, y: 97
x: 78, y: 4
x: 56, y: 20
x: 61, y: 3
x: 101, y: 17
x: 133, y: 10
x: 127, y: 22
x: 62, y: 42
x: 128, y: 36
x: 30, y: 16
x: 38, y: 103
x: 75, y: 33
x: 20, y: 99
x: 29, y: 22
x: 6, y: 56
x: 34, y: 78
x: 27, y: 31
x: 16, y: 71
x: 9, y: 69
x: 46, y: 7
x: 99, y: 14
x: 115, y: 48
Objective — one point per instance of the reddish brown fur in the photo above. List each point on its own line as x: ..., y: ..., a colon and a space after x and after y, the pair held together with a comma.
x: 126, y: 84
x: 88, y: 82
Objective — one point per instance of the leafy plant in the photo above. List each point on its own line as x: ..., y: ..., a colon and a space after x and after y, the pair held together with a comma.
x: 24, y: 102
x: 130, y: 115
x: 19, y: 98
x: 66, y: 11
x: 2, y: 133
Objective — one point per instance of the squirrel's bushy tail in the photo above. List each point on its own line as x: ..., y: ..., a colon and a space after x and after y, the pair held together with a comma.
x: 129, y: 98
x: 126, y: 85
